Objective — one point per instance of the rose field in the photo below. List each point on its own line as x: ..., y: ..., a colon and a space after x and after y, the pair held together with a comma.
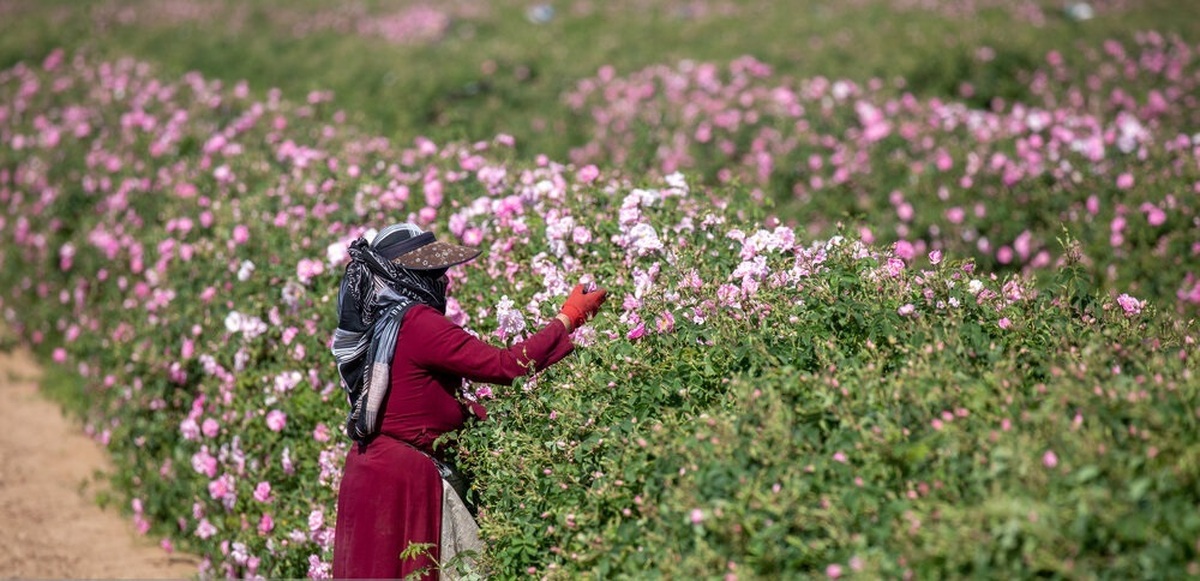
x: 898, y: 288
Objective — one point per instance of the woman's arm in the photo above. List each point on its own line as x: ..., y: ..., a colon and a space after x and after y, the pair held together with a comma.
x: 447, y: 348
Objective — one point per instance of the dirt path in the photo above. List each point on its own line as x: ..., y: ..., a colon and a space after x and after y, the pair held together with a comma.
x: 49, y: 525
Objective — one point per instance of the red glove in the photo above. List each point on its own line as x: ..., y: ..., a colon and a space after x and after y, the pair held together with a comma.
x: 582, y: 305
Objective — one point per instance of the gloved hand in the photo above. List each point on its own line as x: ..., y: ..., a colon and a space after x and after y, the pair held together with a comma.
x: 582, y: 305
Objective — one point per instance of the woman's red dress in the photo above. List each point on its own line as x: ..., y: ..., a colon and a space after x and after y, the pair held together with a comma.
x: 391, y: 494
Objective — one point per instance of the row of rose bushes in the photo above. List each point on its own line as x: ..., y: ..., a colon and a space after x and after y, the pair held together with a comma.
x: 752, y: 402
x: 1105, y: 146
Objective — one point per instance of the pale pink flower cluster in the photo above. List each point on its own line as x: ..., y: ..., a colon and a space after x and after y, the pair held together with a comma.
x: 204, y: 463
x: 224, y: 489
x: 287, y: 381
x: 318, y: 569
x: 510, y: 321
x: 643, y: 238
x: 698, y: 107
x: 308, y: 269
x: 248, y: 325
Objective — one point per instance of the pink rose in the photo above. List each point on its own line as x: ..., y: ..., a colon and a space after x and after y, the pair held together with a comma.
x: 1130, y: 305
x: 276, y: 420
x: 637, y: 332
x: 308, y: 269
x: 205, y: 529
x: 262, y: 492
x: 1050, y: 459
x: 666, y: 322
x: 266, y: 524
x: 588, y: 174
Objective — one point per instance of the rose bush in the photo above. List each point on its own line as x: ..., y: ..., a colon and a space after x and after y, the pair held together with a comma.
x: 756, y: 401
x: 1105, y: 147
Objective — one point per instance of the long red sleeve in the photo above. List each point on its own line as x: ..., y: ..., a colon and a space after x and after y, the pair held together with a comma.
x: 446, y: 348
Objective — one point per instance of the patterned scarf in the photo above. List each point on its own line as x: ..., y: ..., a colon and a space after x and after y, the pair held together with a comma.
x: 372, y: 300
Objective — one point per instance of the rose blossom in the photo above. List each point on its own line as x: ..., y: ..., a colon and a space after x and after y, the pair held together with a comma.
x: 276, y: 420
x: 1131, y: 305
x: 1050, y: 459
x: 262, y: 492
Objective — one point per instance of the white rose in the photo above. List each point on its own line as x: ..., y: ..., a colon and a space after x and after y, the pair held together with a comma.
x: 245, y: 271
x: 233, y: 321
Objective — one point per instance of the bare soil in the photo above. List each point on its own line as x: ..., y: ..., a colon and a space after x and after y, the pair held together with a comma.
x: 50, y: 524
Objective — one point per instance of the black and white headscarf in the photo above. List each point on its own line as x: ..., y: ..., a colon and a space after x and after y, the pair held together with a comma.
x: 372, y: 300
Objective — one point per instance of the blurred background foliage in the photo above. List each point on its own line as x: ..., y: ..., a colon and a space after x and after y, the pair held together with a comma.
x: 503, y: 66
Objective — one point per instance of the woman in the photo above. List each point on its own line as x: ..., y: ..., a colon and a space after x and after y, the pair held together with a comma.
x: 402, y: 362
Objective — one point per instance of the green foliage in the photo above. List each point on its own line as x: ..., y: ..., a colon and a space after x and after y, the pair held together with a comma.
x: 993, y: 83
x: 819, y: 434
